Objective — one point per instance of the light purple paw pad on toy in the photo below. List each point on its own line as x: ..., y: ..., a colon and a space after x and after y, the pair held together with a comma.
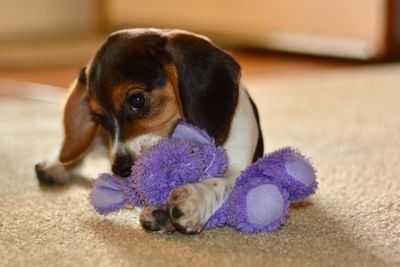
x: 265, y: 204
x: 301, y: 170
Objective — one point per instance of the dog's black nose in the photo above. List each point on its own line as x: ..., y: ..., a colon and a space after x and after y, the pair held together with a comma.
x: 122, y: 165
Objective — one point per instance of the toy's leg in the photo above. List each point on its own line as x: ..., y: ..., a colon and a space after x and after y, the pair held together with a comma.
x: 257, y: 206
x: 261, y: 196
x: 303, y: 176
x: 156, y: 219
x: 291, y: 170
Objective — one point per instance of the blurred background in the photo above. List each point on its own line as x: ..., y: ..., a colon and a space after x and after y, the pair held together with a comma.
x: 47, y: 41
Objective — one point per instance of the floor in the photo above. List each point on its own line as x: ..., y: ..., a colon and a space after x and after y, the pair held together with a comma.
x: 344, y: 117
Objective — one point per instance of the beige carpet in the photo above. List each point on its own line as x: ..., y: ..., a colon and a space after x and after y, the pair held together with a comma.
x: 347, y: 121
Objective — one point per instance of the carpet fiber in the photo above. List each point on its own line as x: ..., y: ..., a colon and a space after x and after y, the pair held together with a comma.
x: 348, y: 122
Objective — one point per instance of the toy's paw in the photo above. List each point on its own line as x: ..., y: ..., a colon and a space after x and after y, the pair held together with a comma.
x: 156, y: 219
x: 191, y: 205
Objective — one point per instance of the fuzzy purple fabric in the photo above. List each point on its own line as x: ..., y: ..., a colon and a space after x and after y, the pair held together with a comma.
x: 193, y: 134
x: 270, y: 203
x: 293, y: 176
x: 259, y: 201
x: 214, y: 157
x: 188, y: 156
x: 171, y: 163
x: 291, y: 170
x: 107, y: 194
x: 235, y: 211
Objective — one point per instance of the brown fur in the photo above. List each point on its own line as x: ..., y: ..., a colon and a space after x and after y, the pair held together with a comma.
x: 119, y: 92
x: 80, y: 129
x: 95, y: 107
x: 172, y: 74
x: 165, y: 113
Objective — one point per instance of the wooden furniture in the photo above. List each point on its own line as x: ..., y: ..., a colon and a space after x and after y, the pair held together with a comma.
x: 361, y: 29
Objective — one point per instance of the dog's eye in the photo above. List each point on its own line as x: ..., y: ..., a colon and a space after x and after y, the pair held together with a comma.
x: 137, y: 101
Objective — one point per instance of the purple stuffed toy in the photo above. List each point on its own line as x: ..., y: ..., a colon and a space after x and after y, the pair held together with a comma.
x: 259, y: 201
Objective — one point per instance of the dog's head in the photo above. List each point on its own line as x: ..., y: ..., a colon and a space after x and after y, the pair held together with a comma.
x: 142, y: 82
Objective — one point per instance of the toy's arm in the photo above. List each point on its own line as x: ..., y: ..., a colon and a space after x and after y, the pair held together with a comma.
x: 107, y: 194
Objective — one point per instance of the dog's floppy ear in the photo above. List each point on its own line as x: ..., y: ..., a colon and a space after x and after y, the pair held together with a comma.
x: 208, y: 80
x: 79, y: 127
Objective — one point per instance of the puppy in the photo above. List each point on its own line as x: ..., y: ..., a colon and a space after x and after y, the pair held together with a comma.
x: 136, y: 88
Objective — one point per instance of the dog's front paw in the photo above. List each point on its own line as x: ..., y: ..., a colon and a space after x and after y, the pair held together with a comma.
x: 191, y: 205
x: 51, y: 173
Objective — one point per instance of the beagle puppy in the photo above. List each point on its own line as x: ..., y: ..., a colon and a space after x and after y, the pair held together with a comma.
x: 133, y: 92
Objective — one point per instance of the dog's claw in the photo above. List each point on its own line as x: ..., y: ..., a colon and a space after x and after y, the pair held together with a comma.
x: 150, y: 226
x: 156, y: 219
x: 176, y: 213
x: 187, y: 210
x: 161, y: 216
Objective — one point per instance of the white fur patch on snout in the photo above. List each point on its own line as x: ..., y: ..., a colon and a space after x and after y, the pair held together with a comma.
x: 139, y: 144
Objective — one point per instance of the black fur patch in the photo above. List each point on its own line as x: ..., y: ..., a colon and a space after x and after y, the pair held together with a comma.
x: 208, y: 83
x: 127, y: 58
x: 82, y: 76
